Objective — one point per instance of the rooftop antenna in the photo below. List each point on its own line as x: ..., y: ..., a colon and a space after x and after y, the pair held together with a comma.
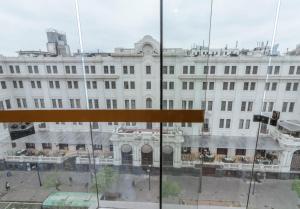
x: 266, y: 47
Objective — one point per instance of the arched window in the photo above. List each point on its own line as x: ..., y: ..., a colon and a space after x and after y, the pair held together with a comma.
x: 148, y: 103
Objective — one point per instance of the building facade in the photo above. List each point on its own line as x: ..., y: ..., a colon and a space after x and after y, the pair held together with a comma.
x: 231, y: 86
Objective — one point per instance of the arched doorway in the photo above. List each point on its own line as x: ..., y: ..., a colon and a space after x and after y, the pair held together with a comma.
x: 126, y: 153
x: 295, y: 164
x: 147, y: 155
x: 167, y: 157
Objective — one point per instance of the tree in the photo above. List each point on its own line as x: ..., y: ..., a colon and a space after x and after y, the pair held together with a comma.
x: 105, y: 178
x: 52, y: 181
x: 170, y: 189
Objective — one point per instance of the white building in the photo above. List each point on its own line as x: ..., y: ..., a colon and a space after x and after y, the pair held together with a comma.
x: 231, y: 88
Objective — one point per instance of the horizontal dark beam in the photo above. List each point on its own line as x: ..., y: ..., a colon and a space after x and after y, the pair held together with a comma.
x: 193, y: 116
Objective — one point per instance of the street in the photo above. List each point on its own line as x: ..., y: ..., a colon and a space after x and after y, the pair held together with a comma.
x: 216, y: 191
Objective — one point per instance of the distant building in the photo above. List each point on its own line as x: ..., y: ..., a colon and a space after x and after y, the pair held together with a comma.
x: 57, y: 43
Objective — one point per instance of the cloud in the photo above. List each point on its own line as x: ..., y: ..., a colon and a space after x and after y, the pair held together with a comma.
x: 120, y: 23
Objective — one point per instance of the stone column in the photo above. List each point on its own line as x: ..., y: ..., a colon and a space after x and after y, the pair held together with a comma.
x: 117, y: 151
x: 177, y: 156
x: 136, y: 155
x: 155, y: 156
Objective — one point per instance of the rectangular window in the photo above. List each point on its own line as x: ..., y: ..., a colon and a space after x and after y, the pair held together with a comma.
x: 243, y: 106
x: 288, y: 86
x: 229, y: 106
x: 87, y: 69
x: 228, y: 121
x: 125, y: 70
x: 165, y: 85
x: 252, y: 86
x: 171, y: 70
x: 171, y: 85
x: 233, y: 69
x: 106, y: 84
x: 247, y: 124
x: 192, y: 69
x: 274, y: 86
x: 3, y: 85
x: 223, y: 105
x: 248, y: 70
x: 126, y: 85
x: 209, y: 105
x: 165, y: 69
x: 67, y: 69
x: 270, y: 70
x: 226, y: 70
x: 254, y: 70
x: 148, y: 85
x: 212, y: 69
x: 39, y: 84
x: 292, y: 70
x: 11, y: 69
x: 54, y: 68
x: 204, y: 86
x: 295, y: 87
x: 185, y: 70
x: 191, y: 85
x: 277, y: 69
x: 291, y: 108
x: 284, y: 106
x: 132, y: 85
x: 225, y: 85
x: 267, y: 86
x: 231, y: 87
x: 298, y: 70
x: 241, y: 124
x: 8, y: 104
x: 33, y: 84
x: 73, y: 69
x: 265, y: 107
x: 51, y: 84
x: 131, y: 69
x: 205, y: 70
x: 211, y: 85
x: 271, y: 105
x: 112, y: 69
x: 148, y: 69
x: 105, y: 69
x: 221, y: 123
x: 93, y: 69
x: 246, y: 85
x: 29, y: 67
x: 250, y: 106
x: 36, y: 69
x: 48, y: 68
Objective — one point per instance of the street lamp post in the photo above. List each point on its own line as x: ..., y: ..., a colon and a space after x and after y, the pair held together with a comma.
x: 149, y: 171
x: 38, y: 173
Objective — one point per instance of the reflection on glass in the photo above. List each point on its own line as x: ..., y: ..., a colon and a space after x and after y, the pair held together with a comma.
x: 224, y: 61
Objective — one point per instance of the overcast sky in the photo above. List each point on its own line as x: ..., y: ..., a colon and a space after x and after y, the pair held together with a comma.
x: 107, y: 24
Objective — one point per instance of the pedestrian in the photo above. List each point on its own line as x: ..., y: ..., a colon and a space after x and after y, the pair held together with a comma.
x: 7, y: 186
x: 70, y: 180
x: 57, y: 184
x: 86, y: 185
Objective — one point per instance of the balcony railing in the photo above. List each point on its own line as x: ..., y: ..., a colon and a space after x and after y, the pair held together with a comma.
x: 35, y: 159
x: 98, y: 161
